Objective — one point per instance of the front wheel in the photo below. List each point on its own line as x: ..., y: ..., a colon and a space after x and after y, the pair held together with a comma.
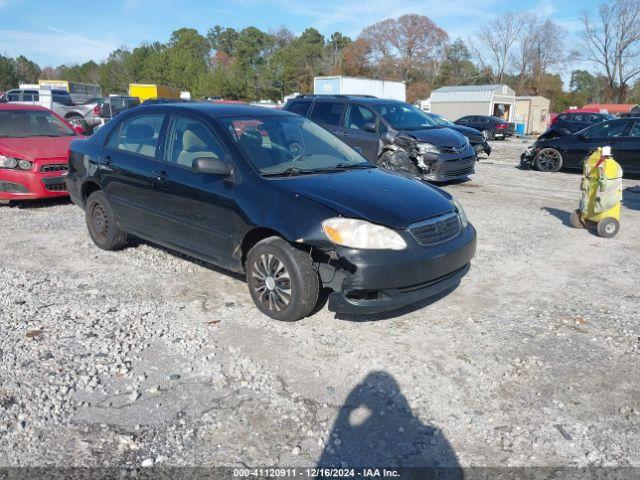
x: 102, y: 224
x: 282, y: 281
x: 548, y: 160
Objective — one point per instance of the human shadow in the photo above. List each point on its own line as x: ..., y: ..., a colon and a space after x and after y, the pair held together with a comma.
x: 376, y: 428
x: 631, y: 198
x: 561, y: 215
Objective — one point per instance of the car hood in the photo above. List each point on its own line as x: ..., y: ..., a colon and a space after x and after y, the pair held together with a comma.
x: 32, y: 148
x: 465, y: 130
x: 439, y: 136
x: 375, y: 195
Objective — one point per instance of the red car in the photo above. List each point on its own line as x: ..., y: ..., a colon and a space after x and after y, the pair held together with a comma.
x: 34, y: 146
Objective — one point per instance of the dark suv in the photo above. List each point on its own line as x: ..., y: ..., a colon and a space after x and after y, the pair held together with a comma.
x: 392, y: 134
x: 276, y: 197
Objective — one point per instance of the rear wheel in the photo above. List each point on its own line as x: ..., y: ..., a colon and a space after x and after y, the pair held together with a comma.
x: 398, y: 161
x: 281, y: 279
x: 486, y: 135
x: 75, y: 119
x: 576, y: 219
x: 102, y: 224
x: 608, y: 227
x: 548, y: 160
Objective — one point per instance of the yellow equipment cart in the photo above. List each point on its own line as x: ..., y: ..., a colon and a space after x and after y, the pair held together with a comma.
x: 601, y: 194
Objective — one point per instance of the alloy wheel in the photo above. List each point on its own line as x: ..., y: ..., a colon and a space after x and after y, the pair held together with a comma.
x: 549, y: 160
x: 271, y: 282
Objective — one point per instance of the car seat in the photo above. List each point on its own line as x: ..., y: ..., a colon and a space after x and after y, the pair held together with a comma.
x: 196, y: 143
x: 139, y: 138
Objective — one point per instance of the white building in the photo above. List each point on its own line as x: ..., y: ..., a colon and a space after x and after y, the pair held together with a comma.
x: 458, y: 101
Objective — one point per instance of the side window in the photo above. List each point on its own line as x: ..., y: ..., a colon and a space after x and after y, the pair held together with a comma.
x: 13, y: 96
x: 327, y: 113
x: 357, y: 116
x: 635, y: 129
x: 138, y: 134
x: 564, y: 117
x: 578, y: 118
x: 482, y: 120
x: 300, y: 107
x: 465, y: 119
x: 607, y: 130
x: 189, y: 139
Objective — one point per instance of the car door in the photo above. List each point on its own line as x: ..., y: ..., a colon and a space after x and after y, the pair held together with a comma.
x: 600, y: 135
x: 328, y: 114
x: 357, y: 119
x: 193, y: 209
x: 126, y: 170
x: 627, y: 149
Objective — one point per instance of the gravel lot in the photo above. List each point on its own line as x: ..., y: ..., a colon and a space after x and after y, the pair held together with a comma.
x: 146, y: 357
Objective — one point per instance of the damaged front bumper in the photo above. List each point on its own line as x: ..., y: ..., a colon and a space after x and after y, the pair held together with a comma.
x: 450, y: 169
x: 374, y: 281
x: 528, y: 157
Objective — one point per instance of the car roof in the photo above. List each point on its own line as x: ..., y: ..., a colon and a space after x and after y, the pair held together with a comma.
x: 357, y: 99
x: 20, y: 106
x: 219, y: 109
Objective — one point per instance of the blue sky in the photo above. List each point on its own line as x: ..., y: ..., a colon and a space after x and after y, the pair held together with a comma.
x: 53, y: 33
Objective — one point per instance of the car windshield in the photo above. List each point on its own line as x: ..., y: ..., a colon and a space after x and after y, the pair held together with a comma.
x: 32, y: 123
x: 403, y: 116
x: 291, y: 145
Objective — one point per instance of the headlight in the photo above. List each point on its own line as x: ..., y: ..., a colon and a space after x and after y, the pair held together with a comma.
x: 353, y: 233
x: 8, y: 162
x: 463, y: 216
x: 428, y: 148
x: 25, y: 165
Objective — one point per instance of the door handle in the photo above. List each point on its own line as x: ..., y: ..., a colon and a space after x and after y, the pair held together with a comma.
x: 160, y: 177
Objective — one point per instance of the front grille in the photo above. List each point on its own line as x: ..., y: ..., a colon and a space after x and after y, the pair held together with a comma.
x: 10, y: 187
x: 60, y: 187
x: 54, y: 167
x: 437, y: 230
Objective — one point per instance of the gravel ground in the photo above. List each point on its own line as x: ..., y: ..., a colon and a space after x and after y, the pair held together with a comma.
x: 146, y: 357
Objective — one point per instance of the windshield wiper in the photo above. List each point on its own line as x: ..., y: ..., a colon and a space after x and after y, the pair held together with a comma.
x: 290, y: 172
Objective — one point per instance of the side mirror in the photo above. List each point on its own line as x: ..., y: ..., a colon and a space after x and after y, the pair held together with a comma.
x: 79, y: 129
x: 369, y: 127
x: 211, y: 166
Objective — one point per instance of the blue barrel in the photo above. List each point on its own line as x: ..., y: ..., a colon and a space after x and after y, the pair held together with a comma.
x: 521, y: 129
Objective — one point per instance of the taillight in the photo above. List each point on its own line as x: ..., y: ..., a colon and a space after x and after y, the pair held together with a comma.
x: 502, y: 126
x: 97, y: 111
x: 554, y: 120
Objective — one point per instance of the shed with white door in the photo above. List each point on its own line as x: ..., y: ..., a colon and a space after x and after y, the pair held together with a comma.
x: 458, y: 101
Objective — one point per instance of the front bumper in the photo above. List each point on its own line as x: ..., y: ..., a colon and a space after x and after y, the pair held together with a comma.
x: 373, y: 281
x: 527, y: 159
x: 451, y: 169
x: 482, y: 147
x: 31, y: 185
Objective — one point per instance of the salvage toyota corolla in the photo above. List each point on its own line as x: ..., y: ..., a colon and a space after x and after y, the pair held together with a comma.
x: 275, y: 196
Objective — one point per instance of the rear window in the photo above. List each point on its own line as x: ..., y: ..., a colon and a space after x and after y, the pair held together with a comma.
x: 138, y: 134
x: 299, y: 107
x: 327, y: 113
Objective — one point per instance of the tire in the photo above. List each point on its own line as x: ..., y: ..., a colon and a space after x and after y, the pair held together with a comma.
x: 398, y: 161
x: 608, y: 227
x: 575, y: 220
x: 102, y: 223
x: 486, y: 134
x: 282, y: 281
x: 548, y: 160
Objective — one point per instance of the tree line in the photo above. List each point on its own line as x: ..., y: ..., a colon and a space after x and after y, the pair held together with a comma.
x: 526, y: 51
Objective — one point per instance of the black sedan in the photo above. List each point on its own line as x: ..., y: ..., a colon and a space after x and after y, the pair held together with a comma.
x: 569, y: 151
x: 476, y: 138
x: 220, y: 183
x: 490, y: 126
